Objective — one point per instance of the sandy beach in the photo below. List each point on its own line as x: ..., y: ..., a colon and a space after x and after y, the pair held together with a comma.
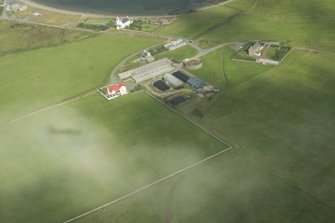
x: 69, y: 12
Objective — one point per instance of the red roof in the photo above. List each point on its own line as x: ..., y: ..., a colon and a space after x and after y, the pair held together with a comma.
x: 115, y: 88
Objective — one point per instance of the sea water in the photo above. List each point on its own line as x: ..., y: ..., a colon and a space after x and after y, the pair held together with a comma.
x: 130, y: 7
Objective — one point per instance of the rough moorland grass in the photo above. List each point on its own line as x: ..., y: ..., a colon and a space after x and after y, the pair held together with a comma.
x: 63, y: 162
x: 35, y: 79
x: 283, y: 120
x: 16, y: 37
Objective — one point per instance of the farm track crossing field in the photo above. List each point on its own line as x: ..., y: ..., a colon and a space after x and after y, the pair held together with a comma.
x: 61, y: 163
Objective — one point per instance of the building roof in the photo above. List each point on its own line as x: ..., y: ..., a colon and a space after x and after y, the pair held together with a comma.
x: 172, y: 80
x: 161, y: 85
x: 255, y: 47
x: 115, y: 88
x: 181, y: 76
x: 196, y: 83
x: 125, y: 20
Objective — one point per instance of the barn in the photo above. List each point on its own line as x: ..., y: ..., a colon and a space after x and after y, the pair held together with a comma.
x: 172, y: 80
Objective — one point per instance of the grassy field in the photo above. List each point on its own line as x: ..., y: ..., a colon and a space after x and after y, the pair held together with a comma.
x: 304, y: 22
x: 272, y: 28
x: 53, y: 74
x: 179, y: 54
x: 198, y: 23
x: 301, y: 21
x: 241, y: 191
x: 218, y: 63
x: 16, y: 37
x: 289, y: 111
x: 61, y: 163
x: 282, y: 118
x: 97, y: 20
x: 49, y: 17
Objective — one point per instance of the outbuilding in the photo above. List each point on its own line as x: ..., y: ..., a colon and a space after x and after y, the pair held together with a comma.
x: 172, y: 80
x: 196, y: 83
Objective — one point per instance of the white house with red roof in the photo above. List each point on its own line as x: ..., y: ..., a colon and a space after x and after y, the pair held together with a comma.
x: 116, y: 90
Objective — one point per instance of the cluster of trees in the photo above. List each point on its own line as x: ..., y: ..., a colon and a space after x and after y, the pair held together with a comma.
x: 280, y: 52
x: 158, y: 50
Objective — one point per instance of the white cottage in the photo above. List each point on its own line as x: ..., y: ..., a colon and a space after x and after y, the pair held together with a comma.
x: 123, y: 23
x: 117, y: 90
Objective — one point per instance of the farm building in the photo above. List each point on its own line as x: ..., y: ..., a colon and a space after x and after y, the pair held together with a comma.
x: 196, y: 83
x: 267, y: 61
x: 161, y: 85
x: 149, y: 71
x: 175, y: 44
x: 193, y: 64
x: 117, y: 90
x: 181, y: 76
x: 172, y: 80
x: 177, y: 100
x: 123, y: 23
x: 255, y: 50
x: 146, y: 55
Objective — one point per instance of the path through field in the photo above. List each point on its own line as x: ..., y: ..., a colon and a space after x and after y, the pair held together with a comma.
x: 54, y: 106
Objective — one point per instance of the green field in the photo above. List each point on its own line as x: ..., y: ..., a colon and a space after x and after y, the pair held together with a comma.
x: 53, y: 74
x: 198, y: 23
x: 307, y: 23
x: 283, y: 120
x: 179, y: 54
x: 240, y: 192
x: 16, y: 37
x: 63, y: 162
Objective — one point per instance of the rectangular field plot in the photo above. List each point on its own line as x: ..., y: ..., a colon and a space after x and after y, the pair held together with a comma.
x: 230, y: 187
x: 61, y: 163
x: 36, y: 79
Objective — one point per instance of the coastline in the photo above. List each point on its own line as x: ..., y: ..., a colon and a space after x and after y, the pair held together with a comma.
x: 214, y: 5
x: 66, y: 11
x: 110, y: 15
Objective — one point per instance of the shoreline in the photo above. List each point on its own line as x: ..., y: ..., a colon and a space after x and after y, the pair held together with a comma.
x: 112, y: 15
x: 65, y: 11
